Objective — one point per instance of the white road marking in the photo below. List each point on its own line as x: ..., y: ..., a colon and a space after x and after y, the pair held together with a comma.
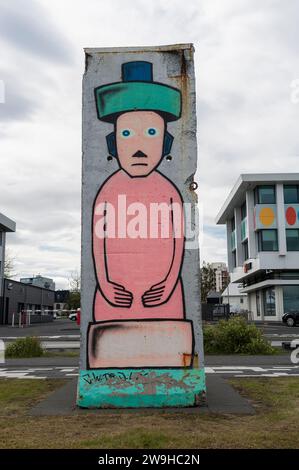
x: 42, y: 337
x: 19, y: 375
x: 284, y: 335
x: 236, y: 371
x: 209, y: 370
x: 60, y: 344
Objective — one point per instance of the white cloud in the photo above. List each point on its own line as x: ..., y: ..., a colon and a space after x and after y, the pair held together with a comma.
x: 246, y: 58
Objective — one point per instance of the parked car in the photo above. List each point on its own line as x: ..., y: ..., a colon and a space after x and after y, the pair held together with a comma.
x: 73, y: 316
x: 291, y: 318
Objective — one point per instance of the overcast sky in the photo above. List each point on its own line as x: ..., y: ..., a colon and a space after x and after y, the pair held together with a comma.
x: 246, y: 61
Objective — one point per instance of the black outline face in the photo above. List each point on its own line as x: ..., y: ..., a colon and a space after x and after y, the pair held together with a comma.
x: 139, y: 163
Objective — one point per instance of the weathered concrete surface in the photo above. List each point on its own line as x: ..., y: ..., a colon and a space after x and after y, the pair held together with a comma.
x: 173, y: 66
x: 141, y: 388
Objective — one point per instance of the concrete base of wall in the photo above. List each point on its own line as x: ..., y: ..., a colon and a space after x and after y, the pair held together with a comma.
x: 141, y: 388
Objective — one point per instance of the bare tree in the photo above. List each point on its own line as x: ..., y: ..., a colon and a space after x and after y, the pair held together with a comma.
x: 75, y: 281
x: 9, y: 265
x: 75, y: 290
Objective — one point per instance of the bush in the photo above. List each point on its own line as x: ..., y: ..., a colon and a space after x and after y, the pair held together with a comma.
x: 24, y: 347
x: 235, y: 336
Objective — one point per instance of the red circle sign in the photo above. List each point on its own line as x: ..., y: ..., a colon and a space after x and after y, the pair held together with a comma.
x: 291, y: 216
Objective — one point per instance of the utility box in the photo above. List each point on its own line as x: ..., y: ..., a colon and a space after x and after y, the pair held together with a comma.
x: 141, y: 331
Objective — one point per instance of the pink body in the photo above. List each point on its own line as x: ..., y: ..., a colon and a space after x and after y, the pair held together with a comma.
x: 138, y: 263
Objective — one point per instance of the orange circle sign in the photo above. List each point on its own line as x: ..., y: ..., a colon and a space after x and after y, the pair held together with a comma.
x: 267, y: 216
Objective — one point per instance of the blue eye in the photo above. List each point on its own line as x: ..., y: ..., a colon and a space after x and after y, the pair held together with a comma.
x: 151, y: 132
x: 125, y: 133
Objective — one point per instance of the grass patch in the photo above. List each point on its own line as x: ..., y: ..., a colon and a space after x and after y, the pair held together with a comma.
x: 24, y: 347
x: 275, y: 424
x: 66, y: 353
x: 18, y: 395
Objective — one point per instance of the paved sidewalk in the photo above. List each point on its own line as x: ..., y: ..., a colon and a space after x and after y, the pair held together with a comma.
x: 222, y: 398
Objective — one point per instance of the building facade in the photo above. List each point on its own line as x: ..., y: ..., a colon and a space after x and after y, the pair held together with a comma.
x: 221, y: 276
x: 237, y: 300
x: 6, y: 225
x: 262, y: 220
x: 39, y: 281
x: 19, y: 297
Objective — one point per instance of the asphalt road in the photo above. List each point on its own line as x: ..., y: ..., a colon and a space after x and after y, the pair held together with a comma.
x: 58, y: 328
x: 225, y: 366
x: 65, y: 334
x: 65, y: 328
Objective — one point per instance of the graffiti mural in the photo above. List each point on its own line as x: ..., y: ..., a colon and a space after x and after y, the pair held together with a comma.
x: 139, y: 337
x: 138, y: 257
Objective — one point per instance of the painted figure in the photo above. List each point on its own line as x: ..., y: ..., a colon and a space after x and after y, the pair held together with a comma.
x: 138, y: 276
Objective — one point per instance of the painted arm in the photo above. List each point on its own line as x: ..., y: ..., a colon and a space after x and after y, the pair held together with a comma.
x: 114, y: 293
x: 160, y: 293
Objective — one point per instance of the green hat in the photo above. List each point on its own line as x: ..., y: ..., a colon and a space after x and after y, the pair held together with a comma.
x: 137, y: 92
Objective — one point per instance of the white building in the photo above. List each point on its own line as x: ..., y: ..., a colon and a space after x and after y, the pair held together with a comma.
x: 6, y: 225
x: 39, y: 281
x: 237, y: 299
x: 261, y: 215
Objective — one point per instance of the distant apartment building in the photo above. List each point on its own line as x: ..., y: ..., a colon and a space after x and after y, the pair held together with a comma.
x: 39, y: 281
x: 221, y: 276
x: 261, y: 215
x: 6, y: 225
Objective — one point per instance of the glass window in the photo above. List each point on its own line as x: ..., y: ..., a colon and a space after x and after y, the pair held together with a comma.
x: 233, y: 224
x: 268, y: 240
x: 291, y: 194
x: 234, y: 258
x: 0, y: 238
x: 243, y: 211
x: 265, y: 195
x: 290, y: 298
x: 269, y: 302
x: 245, y: 250
x: 233, y: 240
x: 258, y: 307
x: 292, y: 235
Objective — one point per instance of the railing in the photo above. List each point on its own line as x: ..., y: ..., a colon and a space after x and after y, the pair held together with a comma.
x: 26, y: 317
